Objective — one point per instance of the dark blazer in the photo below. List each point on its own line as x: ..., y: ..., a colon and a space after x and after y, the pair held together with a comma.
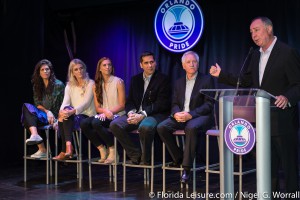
x: 281, y: 77
x: 157, y: 99
x: 200, y: 104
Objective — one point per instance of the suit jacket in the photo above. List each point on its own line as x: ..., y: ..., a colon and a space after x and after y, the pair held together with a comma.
x: 200, y: 104
x: 281, y: 77
x: 157, y: 99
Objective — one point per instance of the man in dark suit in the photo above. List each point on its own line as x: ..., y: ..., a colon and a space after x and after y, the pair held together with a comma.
x: 275, y: 68
x: 191, y: 111
x: 147, y: 104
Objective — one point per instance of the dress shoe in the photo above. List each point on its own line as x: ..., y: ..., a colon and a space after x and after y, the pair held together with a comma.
x: 185, y: 176
x: 136, y: 161
x: 175, y: 164
x: 145, y: 163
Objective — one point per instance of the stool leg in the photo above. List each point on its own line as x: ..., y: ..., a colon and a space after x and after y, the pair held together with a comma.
x: 115, y: 165
x: 124, y: 170
x: 177, y: 141
x: 110, y: 173
x: 56, y: 152
x: 194, y: 175
x: 207, y: 165
x: 50, y: 159
x: 47, y: 156
x: 152, y: 166
x: 164, y: 165
x: 80, y: 158
x: 90, y: 164
x: 145, y: 176
x: 25, y: 154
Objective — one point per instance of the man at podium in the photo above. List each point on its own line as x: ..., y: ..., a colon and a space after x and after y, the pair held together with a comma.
x: 275, y: 68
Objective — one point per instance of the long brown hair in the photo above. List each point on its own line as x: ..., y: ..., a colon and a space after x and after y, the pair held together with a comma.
x: 39, y: 87
x: 99, y: 79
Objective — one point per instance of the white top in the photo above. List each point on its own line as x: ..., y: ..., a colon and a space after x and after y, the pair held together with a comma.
x: 80, y: 98
x: 110, y: 97
x: 264, y: 57
x: 188, y: 92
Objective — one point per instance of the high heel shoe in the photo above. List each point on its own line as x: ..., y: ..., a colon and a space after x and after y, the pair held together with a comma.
x: 69, y: 151
x: 60, y: 156
x: 103, y: 154
x: 111, y: 156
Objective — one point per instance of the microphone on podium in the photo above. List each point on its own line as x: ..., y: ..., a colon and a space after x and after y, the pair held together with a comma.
x: 238, y: 80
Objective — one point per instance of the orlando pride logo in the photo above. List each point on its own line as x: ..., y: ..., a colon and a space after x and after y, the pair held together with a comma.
x: 178, y: 24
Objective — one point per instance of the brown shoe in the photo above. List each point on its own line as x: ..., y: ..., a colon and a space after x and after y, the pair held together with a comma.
x: 60, y: 156
x: 69, y: 152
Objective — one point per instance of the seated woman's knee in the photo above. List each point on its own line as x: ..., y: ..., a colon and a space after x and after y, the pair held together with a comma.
x: 83, y: 124
x: 96, y: 123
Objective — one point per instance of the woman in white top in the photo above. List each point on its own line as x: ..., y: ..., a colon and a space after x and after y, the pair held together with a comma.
x: 109, y: 98
x: 77, y: 105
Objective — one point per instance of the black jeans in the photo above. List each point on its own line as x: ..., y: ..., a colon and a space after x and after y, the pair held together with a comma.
x: 96, y: 131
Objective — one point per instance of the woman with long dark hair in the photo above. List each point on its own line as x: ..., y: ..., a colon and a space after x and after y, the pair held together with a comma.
x: 48, y: 93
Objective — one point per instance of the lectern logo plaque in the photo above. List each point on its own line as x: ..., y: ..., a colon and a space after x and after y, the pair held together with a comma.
x: 239, y: 136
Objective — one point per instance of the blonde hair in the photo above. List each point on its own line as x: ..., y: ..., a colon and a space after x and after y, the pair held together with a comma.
x: 72, y: 81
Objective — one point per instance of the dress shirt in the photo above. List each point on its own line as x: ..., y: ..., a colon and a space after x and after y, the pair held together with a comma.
x: 146, y: 83
x: 188, y: 91
x: 264, y: 57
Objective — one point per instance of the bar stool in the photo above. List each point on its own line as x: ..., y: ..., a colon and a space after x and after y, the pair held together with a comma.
x: 146, y: 168
x: 77, y: 141
x: 179, y: 136
x: 48, y: 153
x: 112, y: 167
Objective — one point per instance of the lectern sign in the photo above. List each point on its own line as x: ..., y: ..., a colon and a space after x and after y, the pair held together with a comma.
x: 239, y: 136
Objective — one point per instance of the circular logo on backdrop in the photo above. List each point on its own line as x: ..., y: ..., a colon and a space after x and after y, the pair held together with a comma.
x: 239, y: 136
x: 178, y: 24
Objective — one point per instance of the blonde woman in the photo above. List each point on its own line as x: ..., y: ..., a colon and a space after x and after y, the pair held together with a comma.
x: 77, y: 105
x: 109, y: 98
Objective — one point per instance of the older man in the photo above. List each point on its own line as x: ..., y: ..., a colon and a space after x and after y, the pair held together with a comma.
x: 191, y: 111
x: 275, y: 68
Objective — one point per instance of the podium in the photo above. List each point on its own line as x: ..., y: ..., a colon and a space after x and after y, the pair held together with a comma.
x: 258, y: 101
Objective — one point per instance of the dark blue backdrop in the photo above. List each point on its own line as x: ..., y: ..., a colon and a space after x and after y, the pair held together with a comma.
x: 120, y: 29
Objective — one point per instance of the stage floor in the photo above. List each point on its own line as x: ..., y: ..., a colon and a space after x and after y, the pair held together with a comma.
x: 12, y: 185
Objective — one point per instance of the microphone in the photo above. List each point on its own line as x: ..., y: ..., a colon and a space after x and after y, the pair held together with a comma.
x: 238, y: 80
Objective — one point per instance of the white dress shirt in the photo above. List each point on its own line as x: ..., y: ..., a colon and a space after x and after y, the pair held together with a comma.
x: 264, y: 57
x: 188, y: 92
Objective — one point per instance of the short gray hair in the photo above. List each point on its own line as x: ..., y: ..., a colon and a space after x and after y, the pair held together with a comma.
x: 187, y: 53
